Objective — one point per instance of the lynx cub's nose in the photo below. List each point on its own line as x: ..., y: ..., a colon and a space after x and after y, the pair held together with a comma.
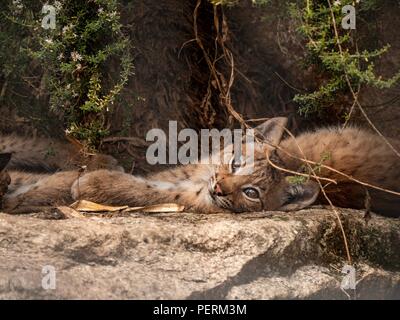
x: 218, y: 190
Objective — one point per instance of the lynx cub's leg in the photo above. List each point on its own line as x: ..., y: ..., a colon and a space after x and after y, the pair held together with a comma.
x: 117, y: 188
x: 49, y: 190
x: 111, y: 187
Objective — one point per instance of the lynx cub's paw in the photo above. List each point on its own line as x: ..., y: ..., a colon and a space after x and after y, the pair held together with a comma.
x: 5, y: 178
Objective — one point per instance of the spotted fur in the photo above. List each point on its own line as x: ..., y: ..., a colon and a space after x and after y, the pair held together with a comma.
x: 233, y: 187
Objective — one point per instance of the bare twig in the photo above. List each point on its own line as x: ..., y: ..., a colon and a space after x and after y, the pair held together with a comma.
x: 132, y: 140
x: 355, y: 97
x: 318, y: 179
x: 298, y: 173
x: 305, y: 160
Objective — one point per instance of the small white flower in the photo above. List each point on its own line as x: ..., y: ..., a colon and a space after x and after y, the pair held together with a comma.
x: 48, y: 41
x: 65, y: 29
x: 336, y: 3
x: 18, y: 5
x: 100, y: 10
x: 76, y: 56
x: 58, y: 5
x: 112, y: 14
x: 61, y: 56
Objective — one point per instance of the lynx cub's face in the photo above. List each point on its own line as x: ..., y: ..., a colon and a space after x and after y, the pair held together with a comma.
x: 239, y: 186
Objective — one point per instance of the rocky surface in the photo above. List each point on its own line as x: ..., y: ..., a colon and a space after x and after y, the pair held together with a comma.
x: 191, y: 256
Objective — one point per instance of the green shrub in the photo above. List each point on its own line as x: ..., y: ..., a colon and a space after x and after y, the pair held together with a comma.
x: 323, y: 53
x: 85, y: 60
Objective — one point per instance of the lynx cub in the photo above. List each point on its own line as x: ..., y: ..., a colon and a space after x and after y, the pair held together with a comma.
x: 232, y: 187
x: 45, y: 155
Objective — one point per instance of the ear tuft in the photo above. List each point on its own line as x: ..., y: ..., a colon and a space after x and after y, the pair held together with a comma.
x: 272, y: 130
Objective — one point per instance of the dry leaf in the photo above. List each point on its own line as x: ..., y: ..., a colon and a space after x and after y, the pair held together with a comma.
x: 69, y: 212
x: 88, y: 206
x: 159, y: 208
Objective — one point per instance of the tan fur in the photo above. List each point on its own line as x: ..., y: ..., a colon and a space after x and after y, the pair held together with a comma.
x: 23, y: 191
x: 42, y: 191
x: 210, y: 188
x: 357, y: 153
x: 193, y: 186
x: 46, y: 155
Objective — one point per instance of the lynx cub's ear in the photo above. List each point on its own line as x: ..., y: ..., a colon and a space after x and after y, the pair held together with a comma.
x: 4, y: 160
x: 299, y: 196
x: 272, y: 130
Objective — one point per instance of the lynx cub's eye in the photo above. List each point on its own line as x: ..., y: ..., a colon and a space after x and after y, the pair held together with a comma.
x: 235, y: 164
x: 251, y: 193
